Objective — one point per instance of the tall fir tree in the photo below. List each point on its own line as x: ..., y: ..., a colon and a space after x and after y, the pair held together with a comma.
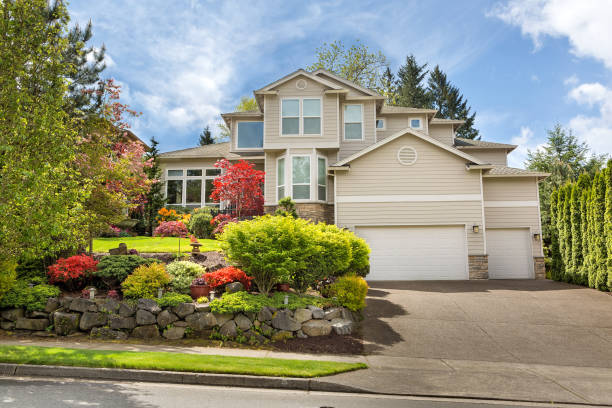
x: 206, y: 137
x: 411, y: 91
x: 584, y: 233
x: 155, y: 197
x: 600, y: 256
x: 560, y: 217
x: 389, y: 87
x: 566, y: 255
x: 576, y: 238
x: 555, y: 254
x: 608, y: 222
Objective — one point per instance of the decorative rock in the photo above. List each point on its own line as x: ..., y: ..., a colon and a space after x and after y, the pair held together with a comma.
x: 121, y: 250
x: 346, y: 314
x: 342, y: 326
x: 201, y: 321
x: 223, y: 317
x: 300, y: 335
x: 202, y: 307
x: 255, y: 337
x: 92, y: 308
x: 165, y: 318
x: 264, y: 315
x: 12, y: 314
x: 38, y: 315
x: 174, y: 333
x: 282, y: 335
x: 81, y: 305
x: 66, y: 301
x: 7, y: 325
x: 228, y: 329
x: 52, y: 305
x: 126, y: 310
x: 32, y: 324
x: 313, y: 328
x: 149, y: 305
x: 144, y: 317
x: 282, y: 320
x: 317, y: 312
x: 256, y: 323
x: 65, y: 323
x: 92, y: 319
x: 109, y: 305
x: 234, y: 287
x: 183, y: 309
x: 106, y: 333
x: 119, y: 322
x: 146, y: 332
x: 267, y: 330
x: 243, y: 322
x: 180, y: 323
x: 333, y: 313
x: 302, y: 315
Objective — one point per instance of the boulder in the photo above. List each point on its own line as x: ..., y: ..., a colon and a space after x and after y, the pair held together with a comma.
x: 264, y: 315
x: 302, y: 315
x: 65, y: 323
x: 81, y: 305
x: 317, y: 312
x: 313, y: 328
x: 126, y: 310
x: 342, y: 326
x: 300, y: 335
x: 109, y: 305
x: 117, y: 322
x: 144, y: 317
x: 149, y: 305
x: 234, y: 287
x: 120, y: 250
x: 348, y: 315
x: 228, y: 329
x: 66, y: 301
x: 333, y: 313
x: 180, y: 323
x: 282, y: 320
x: 282, y: 335
x: 92, y: 319
x: 12, y: 314
x: 223, y: 317
x: 202, y: 307
x: 146, y: 332
x: 174, y: 333
x: 254, y: 337
x: 52, y: 305
x: 106, y: 333
x: 165, y: 318
x: 32, y: 324
x: 243, y: 322
x: 38, y: 315
x: 266, y: 329
x: 183, y: 309
x: 201, y: 321
x: 7, y: 325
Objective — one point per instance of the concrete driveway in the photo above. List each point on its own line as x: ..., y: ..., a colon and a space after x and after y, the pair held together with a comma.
x: 518, y: 321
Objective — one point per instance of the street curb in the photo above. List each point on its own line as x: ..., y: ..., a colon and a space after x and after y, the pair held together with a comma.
x: 121, y: 374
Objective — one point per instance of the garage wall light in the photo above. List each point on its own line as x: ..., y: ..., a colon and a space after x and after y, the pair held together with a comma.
x: 475, y: 229
x: 536, y: 236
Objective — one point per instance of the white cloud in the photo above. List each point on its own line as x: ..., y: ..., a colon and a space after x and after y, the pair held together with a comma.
x: 526, y: 142
x: 586, y: 23
x: 571, y: 80
x: 535, y: 78
x: 108, y: 60
x: 596, y: 129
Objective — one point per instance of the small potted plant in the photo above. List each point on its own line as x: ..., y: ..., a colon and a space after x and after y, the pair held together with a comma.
x: 199, y: 288
x: 282, y: 287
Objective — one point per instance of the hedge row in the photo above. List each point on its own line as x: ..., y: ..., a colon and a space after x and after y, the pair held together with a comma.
x: 581, y: 231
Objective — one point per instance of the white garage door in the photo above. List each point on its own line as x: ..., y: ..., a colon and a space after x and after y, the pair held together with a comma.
x: 416, y: 253
x: 509, y: 253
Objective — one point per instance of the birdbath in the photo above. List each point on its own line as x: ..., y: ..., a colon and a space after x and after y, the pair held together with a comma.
x: 195, y: 247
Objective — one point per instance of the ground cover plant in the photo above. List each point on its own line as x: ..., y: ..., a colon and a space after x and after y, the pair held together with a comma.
x: 33, y: 298
x: 153, y: 244
x: 183, y: 273
x: 248, y: 303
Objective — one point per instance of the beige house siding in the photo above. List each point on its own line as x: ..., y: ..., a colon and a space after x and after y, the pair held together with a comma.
x: 512, y: 202
x: 351, y: 91
x: 393, y: 124
x: 492, y: 156
x: 442, y: 132
x: 349, y: 147
x: 433, y: 191
x: 234, y: 132
x: 270, y: 178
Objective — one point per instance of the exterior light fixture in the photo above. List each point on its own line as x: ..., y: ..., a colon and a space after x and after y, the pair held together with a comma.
x: 536, y: 236
x: 475, y: 229
x: 212, y: 295
x: 286, y: 301
x: 92, y: 292
x: 160, y: 293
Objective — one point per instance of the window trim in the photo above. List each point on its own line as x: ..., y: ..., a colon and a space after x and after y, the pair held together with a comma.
x: 384, y: 126
x: 344, y: 123
x: 326, y: 185
x: 309, y: 184
x: 410, y: 119
x: 284, y: 185
x: 248, y: 148
x: 300, y: 116
x: 184, y: 178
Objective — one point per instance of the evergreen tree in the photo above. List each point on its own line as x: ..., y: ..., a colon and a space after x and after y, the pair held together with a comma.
x: 608, y: 222
x: 600, y: 256
x: 450, y: 103
x: 584, y: 232
x: 389, y: 87
x: 155, y: 197
x: 206, y: 137
x: 567, y: 233
x: 556, y: 263
x: 410, y: 89
x: 560, y: 209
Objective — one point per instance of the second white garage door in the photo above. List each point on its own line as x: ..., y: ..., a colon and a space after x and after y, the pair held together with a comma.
x: 416, y: 253
x: 509, y: 252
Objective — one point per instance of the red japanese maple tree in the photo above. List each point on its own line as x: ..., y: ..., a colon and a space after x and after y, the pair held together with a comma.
x: 240, y: 185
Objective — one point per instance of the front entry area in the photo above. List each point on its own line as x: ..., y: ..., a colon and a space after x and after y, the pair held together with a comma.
x: 416, y: 252
x: 510, y: 255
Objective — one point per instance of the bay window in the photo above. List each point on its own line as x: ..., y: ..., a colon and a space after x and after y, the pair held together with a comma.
x: 300, y: 173
x: 353, y: 122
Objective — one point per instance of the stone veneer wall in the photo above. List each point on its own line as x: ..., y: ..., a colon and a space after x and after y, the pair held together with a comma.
x: 316, y: 212
x: 539, y: 267
x: 479, y: 266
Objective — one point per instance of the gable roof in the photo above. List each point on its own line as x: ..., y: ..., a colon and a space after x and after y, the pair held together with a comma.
x: 481, y: 144
x: 390, y: 109
x: 353, y: 85
x: 213, y: 151
x: 505, y: 171
x: 412, y: 132
x: 294, y: 74
x: 241, y: 114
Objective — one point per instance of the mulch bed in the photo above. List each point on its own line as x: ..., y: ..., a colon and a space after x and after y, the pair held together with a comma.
x: 332, y: 344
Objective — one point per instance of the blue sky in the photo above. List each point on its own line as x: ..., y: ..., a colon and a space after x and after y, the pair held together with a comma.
x: 524, y: 65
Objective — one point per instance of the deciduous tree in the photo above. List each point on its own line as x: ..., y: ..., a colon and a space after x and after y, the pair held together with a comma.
x: 240, y: 186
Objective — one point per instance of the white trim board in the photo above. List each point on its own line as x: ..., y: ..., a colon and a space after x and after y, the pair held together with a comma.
x: 489, y: 204
x: 407, y: 198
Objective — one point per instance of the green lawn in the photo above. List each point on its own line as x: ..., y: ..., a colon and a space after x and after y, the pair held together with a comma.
x: 165, y: 361
x: 153, y: 244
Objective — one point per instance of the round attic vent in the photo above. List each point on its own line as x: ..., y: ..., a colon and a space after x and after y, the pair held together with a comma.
x: 406, y: 155
x: 300, y: 84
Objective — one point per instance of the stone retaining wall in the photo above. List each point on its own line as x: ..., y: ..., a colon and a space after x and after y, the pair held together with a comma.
x: 111, y: 319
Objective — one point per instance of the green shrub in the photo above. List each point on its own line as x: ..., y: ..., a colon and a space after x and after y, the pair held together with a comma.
x: 360, y: 254
x: 199, y: 223
x: 350, y: 291
x: 115, y: 268
x: 145, y: 281
x: 286, y: 208
x: 31, y: 268
x: 182, y: 273
x: 172, y: 299
x: 21, y: 295
x: 247, y: 303
x: 7, y: 277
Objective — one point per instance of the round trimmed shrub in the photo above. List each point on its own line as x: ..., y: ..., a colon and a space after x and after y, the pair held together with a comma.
x: 182, y: 273
x: 145, y: 281
x: 114, y: 269
x: 199, y: 223
x: 350, y: 291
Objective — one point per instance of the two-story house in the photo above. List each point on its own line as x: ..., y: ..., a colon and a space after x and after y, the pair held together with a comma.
x: 429, y: 204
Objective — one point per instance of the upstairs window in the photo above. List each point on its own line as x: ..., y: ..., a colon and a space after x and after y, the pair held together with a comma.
x: 290, y: 117
x: 301, y: 116
x: 300, y: 170
x: 353, y: 126
x: 380, y: 124
x: 415, y: 123
x: 250, y: 135
x: 311, y: 116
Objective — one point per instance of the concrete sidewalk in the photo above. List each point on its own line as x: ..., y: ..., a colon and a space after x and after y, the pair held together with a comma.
x: 416, y: 376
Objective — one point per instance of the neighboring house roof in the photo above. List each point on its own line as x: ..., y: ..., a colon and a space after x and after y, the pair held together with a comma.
x: 413, y: 132
x: 505, y: 171
x: 216, y: 150
x: 387, y: 110
x: 346, y: 82
x: 481, y: 144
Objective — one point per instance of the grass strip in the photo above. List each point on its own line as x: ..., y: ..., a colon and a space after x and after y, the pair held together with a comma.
x: 153, y: 244
x: 164, y: 361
